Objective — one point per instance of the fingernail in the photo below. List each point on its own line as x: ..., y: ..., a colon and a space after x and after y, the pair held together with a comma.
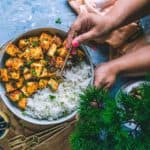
x: 75, y: 43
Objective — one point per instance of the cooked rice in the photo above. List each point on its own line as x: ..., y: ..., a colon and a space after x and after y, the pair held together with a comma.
x: 49, y: 105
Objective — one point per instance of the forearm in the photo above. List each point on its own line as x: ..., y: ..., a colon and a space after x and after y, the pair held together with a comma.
x: 127, y: 11
x: 135, y: 62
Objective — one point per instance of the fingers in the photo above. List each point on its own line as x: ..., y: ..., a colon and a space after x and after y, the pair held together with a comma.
x: 81, y: 26
x: 108, y: 86
x: 72, y: 32
x: 75, y: 5
x: 70, y: 38
x: 85, y: 36
x: 103, y: 82
x: 99, y: 83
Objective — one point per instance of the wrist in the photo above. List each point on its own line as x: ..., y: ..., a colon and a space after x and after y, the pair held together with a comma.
x: 115, y: 67
x: 111, y: 23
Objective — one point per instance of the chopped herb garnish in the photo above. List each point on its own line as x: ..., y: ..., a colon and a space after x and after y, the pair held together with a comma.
x: 29, y: 63
x: 57, y: 52
x: 47, y: 58
x: 35, y: 43
x: 58, y: 21
x: 51, y: 97
x: 65, y: 113
x: 22, y: 68
x: 50, y: 86
x: 33, y: 72
x: 21, y: 96
x: 24, y: 113
x: 61, y: 103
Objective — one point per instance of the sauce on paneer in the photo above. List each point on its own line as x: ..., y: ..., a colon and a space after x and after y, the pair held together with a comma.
x: 57, y: 40
x: 15, y: 75
x: 43, y: 83
x: 62, y: 52
x: 22, y: 103
x: 30, y: 88
x: 45, y: 41
x: 4, y: 75
x: 23, y: 43
x: 10, y: 87
x: 14, y: 63
x: 36, y: 53
x: 15, y: 96
x: 37, y: 68
x: 12, y: 50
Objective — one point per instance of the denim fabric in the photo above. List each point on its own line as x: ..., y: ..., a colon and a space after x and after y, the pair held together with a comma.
x: 145, y: 24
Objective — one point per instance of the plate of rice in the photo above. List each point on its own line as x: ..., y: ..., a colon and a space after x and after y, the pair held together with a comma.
x: 29, y: 84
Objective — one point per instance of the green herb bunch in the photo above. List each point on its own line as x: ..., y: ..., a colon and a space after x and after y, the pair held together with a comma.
x: 101, y: 127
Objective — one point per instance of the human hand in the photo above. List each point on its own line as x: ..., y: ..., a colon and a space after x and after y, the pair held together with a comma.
x: 105, y: 75
x: 88, y: 26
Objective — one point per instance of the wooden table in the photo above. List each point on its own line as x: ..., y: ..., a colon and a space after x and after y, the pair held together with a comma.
x: 20, y: 127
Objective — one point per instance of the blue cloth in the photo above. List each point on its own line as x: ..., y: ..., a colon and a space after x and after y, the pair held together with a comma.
x: 145, y: 24
x: 17, y: 16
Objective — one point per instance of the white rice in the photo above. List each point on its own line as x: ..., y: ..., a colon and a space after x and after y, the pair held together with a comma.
x: 42, y: 106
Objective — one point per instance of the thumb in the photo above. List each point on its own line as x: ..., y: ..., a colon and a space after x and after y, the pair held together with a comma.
x: 84, y: 37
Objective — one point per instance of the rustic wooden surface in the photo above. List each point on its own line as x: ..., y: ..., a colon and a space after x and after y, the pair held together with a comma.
x: 19, y: 127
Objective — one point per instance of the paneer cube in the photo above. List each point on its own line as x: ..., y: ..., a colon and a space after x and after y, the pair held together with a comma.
x: 15, y: 75
x: 30, y: 88
x: 22, y: 103
x: 15, y: 96
x: 12, y: 50
x: 43, y: 62
x: 23, y: 43
x: 53, y: 84
x: 45, y: 44
x: 19, y: 83
x: 52, y: 50
x: 26, y: 54
x: 27, y: 74
x: 34, y: 41
x: 37, y: 67
x: 10, y: 87
x: 36, y: 53
x: 24, y: 91
x: 43, y: 83
x: 45, y: 41
x: 45, y: 36
x: 14, y: 85
x: 62, y: 52
x: 4, y: 75
x: 21, y: 55
x: 57, y: 40
x: 14, y: 63
x: 59, y: 62
x: 44, y: 73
